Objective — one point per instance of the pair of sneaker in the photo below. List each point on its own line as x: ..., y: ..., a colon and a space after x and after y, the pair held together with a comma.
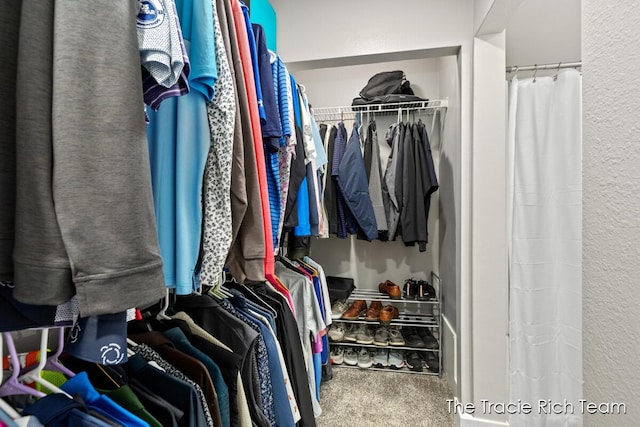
x: 419, y: 337
x: 420, y: 361
x: 388, y: 336
x: 420, y: 290
x: 336, y: 355
x: 354, y: 356
x: 359, y: 333
x: 388, y: 358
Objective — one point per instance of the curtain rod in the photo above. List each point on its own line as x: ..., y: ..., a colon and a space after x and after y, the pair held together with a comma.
x: 555, y: 66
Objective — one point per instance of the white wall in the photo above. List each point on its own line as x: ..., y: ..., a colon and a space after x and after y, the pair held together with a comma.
x: 611, y: 173
x: 449, y: 213
x: 336, y: 86
x: 489, y: 271
x: 309, y: 30
x: 544, y: 32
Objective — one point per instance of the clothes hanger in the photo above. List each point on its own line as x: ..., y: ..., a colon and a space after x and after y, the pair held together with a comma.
x: 53, y: 363
x: 219, y: 291
x: 162, y: 314
x: 12, y: 385
x: 130, y: 352
x: 264, y: 305
x: 34, y: 375
x: 8, y: 409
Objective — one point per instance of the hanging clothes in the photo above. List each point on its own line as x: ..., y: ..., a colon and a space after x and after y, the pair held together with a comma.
x: 87, y: 229
x: 287, y: 331
x: 271, y: 128
x: 179, y: 141
x: 241, y: 338
x: 417, y: 186
x: 246, y: 40
x: 246, y: 255
x: 374, y: 177
x: 352, y: 181
x: 217, y: 218
x: 163, y: 55
x: 309, y: 320
x: 282, y: 89
x: 389, y: 190
x: 338, y: 154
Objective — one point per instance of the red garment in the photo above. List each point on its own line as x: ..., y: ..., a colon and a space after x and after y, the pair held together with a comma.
x: 282, y: 289
x: 245, y: 57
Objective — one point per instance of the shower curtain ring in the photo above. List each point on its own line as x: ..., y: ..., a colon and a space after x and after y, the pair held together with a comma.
x: 535, y: 72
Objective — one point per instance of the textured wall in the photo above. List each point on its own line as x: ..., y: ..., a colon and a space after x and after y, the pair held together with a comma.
x: 611, y: 277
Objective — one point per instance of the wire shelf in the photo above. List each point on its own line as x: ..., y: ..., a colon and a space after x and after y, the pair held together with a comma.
x: 385, y: 347
x: 373, y: 295
x: 351, y: 112
x: 404, y: 370
x: 424, y: 320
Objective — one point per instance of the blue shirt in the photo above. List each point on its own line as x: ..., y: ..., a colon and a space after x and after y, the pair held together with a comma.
x: 280, y: 76
x: 57, y: 410
x: 80, y: 384
x: 283, y: 414
x: 196, y: 22
x: 304, y: 225
x: 179, y: 140
x: 254, y: 63
x: 271, y: 128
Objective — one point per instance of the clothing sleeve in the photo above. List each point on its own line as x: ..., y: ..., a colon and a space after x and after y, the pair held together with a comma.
x: 271, y: 128
x: 70, y: 230
x: 196, y: 20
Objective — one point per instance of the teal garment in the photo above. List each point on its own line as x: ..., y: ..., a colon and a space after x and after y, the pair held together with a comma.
x: 262, y: 13
x: 179, y: 139
x: 317, y: 370
x: 196, y: 22
x: 180, y: 340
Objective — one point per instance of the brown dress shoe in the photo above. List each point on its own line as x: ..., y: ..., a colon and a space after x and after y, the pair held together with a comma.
x: 390, y: 289
x: 388, y: 312
x: 373, y: 313
x: 356, y: 309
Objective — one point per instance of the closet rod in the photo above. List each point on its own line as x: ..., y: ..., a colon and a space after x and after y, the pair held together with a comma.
x: 391, y: 107
x: 538, y: 67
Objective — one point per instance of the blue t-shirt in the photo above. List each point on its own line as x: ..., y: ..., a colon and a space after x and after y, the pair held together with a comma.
x: 196, y: 22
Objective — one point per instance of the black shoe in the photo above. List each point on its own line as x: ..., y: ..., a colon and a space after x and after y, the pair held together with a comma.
x: 411, y: 337
x: 409, y: 289
x: 425, y: 291
x: 427, y: 337
x: 431, y: 360
x: 414, y: 361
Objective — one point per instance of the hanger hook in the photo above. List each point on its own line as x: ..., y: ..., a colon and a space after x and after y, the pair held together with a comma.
x: 557, y: 72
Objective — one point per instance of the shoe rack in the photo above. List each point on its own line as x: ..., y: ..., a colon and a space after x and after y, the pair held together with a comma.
x: 413, y: 313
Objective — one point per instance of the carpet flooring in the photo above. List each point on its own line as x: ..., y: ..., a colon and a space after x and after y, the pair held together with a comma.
x: 361, y: 398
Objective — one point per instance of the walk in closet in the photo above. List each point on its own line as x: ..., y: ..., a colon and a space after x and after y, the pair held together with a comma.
x: 433, y: 77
